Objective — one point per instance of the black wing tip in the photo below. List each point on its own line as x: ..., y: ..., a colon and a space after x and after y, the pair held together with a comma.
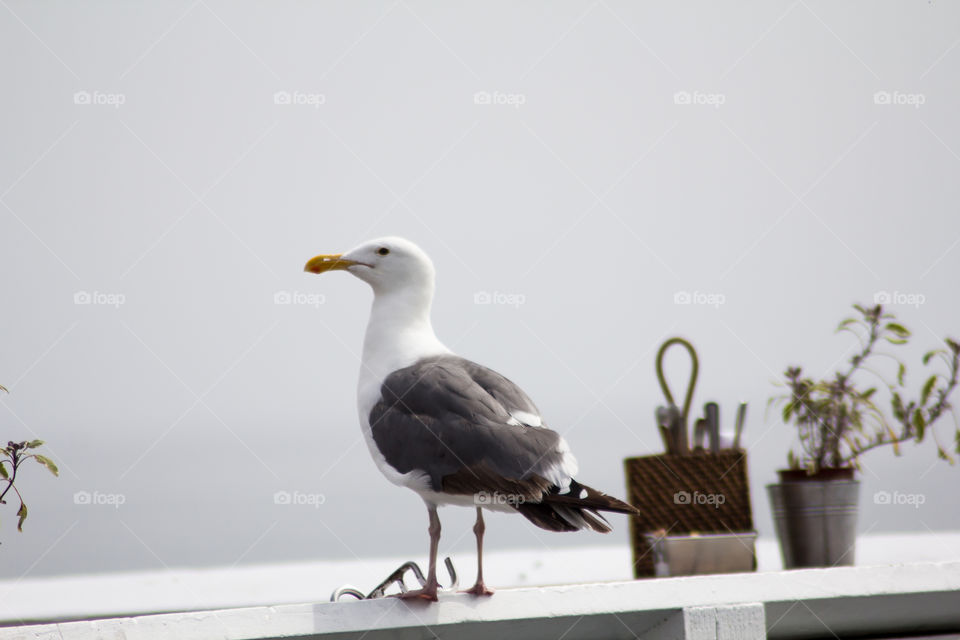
x: 576, y: 509
x: 563, y: 519
x: 582, y: 496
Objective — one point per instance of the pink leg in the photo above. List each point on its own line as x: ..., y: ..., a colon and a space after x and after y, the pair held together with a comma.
x: 479, y: 589
x: 429, y: 590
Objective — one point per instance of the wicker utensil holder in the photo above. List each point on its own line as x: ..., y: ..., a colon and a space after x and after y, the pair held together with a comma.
x: 699, y: 492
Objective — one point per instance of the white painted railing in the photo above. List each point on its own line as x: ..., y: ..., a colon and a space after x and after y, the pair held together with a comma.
x: 905, y: 599
x: 909, y: 598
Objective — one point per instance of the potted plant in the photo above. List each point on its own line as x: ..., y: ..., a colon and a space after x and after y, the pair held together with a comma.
x: 11, y: 457
x: 837, y: 420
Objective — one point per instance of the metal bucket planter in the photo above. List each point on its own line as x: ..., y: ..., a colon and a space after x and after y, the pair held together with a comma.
x: 816, y: 521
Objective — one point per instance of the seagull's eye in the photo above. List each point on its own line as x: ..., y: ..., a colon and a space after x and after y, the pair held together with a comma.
x: 383, y: 251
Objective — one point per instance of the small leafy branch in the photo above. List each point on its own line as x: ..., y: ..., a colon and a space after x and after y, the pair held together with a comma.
x: 837, y: 422
x: 11, y: 457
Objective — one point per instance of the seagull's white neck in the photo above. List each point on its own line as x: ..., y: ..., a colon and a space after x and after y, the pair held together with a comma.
x: 399, y: 331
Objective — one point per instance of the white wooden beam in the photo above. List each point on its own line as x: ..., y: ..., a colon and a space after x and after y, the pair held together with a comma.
x: 725, y: 622
x: 82, y: 597
x: 920, y: 598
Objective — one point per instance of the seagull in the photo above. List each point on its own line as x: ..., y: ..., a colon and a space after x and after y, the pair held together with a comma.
x: 453, y: 431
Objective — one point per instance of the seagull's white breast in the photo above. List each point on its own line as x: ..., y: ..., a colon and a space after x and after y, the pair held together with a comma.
x: 393, y: 341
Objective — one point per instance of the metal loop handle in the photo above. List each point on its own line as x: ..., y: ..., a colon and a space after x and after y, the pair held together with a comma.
x: 693, y: 375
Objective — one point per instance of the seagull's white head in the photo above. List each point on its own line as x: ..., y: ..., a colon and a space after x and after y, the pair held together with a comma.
x: 386, y: 264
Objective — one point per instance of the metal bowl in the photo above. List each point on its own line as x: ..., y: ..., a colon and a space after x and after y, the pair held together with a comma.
x: 701, y: 554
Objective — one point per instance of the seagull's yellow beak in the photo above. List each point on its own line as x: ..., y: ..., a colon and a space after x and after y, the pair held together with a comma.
x: 329, y: 262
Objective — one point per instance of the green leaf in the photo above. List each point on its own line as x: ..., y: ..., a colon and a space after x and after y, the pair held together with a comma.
x: 22, y: 512
x: 3, y: 471
x: 793, y: 463
x: 902, y: 371
x: 3, y: 388
x: 928, y: 355
x: 919, y: 423
x: 927, y: 389
x: 33, y: 444
x: 898, y: 329
x: 787, y: 410
x: 895, y: 340
x: 48, y: 463
x: 869, y: 392
x: 897, y: 406
x: 846, y: 323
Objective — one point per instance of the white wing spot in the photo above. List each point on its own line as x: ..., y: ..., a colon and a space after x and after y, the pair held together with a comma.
x: 527, y: 418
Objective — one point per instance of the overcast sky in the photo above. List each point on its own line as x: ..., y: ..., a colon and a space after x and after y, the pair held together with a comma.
x: 168, y: 168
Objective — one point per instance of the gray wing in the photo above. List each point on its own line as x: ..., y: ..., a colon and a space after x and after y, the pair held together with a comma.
x: 452, y: 419
x: 510, y: 397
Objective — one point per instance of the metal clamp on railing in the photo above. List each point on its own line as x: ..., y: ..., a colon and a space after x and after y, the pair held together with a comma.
x: 397, y: 577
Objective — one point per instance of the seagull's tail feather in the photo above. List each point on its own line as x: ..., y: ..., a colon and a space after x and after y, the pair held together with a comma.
x: 580, y: 495
x: 573, y: 510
